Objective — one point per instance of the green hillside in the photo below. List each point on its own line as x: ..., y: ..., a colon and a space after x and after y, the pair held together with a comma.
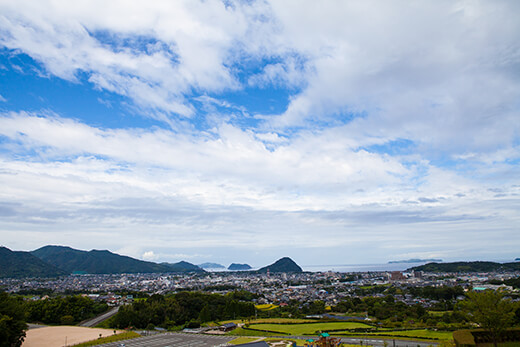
x: 470, y: 266
x: 285, y: 264
x: 15, y: 264
x: 103, y: 262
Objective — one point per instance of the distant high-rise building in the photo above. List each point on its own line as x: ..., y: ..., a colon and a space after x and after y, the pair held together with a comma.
x: 396, y: 276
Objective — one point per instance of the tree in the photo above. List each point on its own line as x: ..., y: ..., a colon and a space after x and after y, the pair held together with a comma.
x: 12, y: 321
x: 491, y: 311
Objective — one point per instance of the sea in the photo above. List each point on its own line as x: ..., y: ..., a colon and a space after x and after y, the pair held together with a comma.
x: 361, y: 267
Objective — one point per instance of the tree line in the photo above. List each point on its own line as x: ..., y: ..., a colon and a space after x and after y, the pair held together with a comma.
x: 184, y: 309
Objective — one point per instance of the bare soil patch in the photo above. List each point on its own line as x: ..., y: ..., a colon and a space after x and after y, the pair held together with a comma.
x: 63, y: 336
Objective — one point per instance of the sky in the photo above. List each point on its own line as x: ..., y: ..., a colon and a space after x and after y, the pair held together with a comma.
x: 333, y: 132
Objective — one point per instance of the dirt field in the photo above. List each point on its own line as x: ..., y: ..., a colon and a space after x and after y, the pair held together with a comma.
x: 58, y: 336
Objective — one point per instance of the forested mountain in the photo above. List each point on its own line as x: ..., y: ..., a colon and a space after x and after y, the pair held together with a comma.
x: 467, y: 266
x: 24, y: 264
x: 182, y: 266
x: 282, y: 265
x: 103, y: 262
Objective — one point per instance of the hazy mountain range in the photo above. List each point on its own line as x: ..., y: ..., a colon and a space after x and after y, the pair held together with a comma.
x: 53, y: 261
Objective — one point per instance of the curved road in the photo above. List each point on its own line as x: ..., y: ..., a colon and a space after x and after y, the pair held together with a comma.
x: 96, y: 320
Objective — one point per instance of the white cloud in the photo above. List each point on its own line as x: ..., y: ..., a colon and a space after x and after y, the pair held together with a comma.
x: 150, y: 256
x: 227, y: 191
x: 362, y: 78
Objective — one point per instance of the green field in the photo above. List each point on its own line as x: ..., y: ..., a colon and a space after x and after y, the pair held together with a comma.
x: 270, y: 320
x: 242, y: 340
x: 309, y: 329
x: 243, y: 332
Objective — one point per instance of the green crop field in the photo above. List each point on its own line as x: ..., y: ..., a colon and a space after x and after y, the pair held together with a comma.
x: 309, y: 329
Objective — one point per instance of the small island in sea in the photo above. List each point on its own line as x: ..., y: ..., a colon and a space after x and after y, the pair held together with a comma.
x: 415, y: 261
x: 239, y: 267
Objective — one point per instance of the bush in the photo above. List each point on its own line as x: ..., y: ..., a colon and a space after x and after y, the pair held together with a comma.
x: 67, y: 320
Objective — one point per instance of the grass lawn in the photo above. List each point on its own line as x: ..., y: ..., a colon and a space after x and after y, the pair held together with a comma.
x: 242, y: 332
x: 119, y: 337
x: 241, y: 340
x: 309, y: 329
x: 270, y: 320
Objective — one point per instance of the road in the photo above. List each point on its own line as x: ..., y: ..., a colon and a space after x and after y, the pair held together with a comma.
x: 95, y: 321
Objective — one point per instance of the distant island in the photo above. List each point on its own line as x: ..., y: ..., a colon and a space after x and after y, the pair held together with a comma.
x: 239, y: 267
x: 468, y: 266
x: 211, y: 266
x: 415, y: 261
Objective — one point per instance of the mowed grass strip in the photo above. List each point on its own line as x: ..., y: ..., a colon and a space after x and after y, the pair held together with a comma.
x: 309, y: 329
x: 242, y: 340
x: 119, y: 337
x: 270, y: 320
x: 244, y: 332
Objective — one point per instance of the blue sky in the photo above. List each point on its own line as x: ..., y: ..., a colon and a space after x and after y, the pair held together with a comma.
x: 340, y: 133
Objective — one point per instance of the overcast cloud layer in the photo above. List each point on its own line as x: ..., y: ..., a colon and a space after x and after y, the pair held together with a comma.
x: 334, y: 132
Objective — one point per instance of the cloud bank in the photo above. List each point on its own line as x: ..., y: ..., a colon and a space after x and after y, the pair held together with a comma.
x: 395, y: 132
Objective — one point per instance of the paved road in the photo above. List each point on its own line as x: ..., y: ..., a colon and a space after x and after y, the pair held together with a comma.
x: 174, y: 340
x: 35, y: 326
x: 95, y: 321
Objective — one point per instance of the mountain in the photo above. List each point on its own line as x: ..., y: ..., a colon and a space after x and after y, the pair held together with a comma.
x: 101, y: 262
x: 211, y: 266
x: 467, y: 266
x: 24, y: 264
x: 410, y: 261
x: 182, y: 266
x: 239, y: 267
x: 282, y: 265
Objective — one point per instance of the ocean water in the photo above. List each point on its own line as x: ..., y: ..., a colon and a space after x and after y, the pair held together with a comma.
x: 360, y: 267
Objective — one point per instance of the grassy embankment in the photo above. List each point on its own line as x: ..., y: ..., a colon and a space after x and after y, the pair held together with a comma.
x: 119, y: 337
